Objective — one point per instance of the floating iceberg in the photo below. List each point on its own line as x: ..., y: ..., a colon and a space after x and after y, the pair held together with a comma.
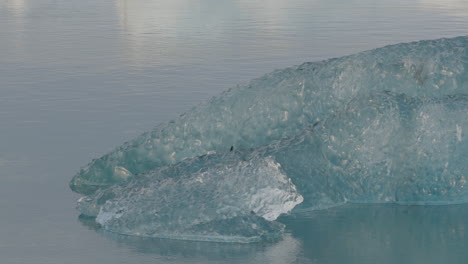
x: 386, y: 125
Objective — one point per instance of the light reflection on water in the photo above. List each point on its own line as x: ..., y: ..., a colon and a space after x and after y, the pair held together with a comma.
x: 388, y: 233
x: 78, y: 78
x: 16, y: 6
x: 284, y: 250
x: 455, y: 8
x: 353, y: 233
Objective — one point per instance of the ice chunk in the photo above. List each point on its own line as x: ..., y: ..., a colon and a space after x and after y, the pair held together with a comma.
x: 222, y: 199
x: 382, y: 147
x: 386, y: 125
x: 282, y: 104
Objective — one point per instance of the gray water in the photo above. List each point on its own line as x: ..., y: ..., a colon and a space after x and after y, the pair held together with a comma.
x: 78, y: 78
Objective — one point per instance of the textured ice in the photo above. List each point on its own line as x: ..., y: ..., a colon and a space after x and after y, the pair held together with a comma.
x: 213, y: 197
x: 386, y: 125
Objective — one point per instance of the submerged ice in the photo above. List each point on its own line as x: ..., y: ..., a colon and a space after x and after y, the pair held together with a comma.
x: 387, y: 125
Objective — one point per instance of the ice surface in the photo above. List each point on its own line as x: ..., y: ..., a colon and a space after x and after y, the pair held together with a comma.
x: 387, y: 125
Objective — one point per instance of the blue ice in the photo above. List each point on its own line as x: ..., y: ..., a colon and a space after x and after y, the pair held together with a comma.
x: 386, y: 125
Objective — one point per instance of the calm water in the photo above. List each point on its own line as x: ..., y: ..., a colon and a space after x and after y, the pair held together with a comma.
x: 78, y: 78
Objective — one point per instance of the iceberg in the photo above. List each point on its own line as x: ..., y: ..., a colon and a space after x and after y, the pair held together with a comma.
x: 386, y: 125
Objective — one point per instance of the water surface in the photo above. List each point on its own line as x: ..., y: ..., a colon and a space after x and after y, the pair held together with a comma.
x: 78, y: 78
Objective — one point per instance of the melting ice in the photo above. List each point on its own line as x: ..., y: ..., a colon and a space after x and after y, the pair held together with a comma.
x: 387, y: 125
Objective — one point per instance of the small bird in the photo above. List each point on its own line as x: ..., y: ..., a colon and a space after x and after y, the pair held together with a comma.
x: 232, y: 148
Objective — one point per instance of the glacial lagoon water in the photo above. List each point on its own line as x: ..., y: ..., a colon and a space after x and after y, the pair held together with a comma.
x: 77, y: 79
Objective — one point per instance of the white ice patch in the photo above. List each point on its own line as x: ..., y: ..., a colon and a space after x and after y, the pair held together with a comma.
x: 459, y: 133
x: 122, y: 173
